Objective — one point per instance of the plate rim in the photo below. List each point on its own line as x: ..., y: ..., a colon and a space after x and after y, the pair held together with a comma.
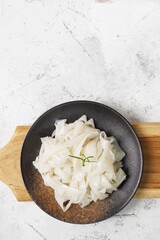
x: 124, y: 119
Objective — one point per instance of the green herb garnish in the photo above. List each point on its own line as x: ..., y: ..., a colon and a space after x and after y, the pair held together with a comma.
x: 84, y: 159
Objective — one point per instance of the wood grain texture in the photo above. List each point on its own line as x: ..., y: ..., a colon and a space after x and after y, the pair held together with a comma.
x: 10, y: 172
x: 148, y: 133
x: 149, y: 136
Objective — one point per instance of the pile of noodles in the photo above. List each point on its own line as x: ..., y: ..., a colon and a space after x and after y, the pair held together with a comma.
x: 62, y: 171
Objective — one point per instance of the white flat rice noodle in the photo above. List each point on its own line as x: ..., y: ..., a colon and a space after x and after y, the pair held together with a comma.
x: 72, y: 182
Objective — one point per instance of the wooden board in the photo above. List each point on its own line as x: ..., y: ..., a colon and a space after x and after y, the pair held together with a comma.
x: 148, y: 133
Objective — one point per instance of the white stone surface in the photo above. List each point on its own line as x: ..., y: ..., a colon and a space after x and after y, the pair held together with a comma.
x: 52, y: 51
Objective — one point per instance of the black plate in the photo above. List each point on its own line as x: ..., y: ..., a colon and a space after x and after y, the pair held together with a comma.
x: 105, y: 119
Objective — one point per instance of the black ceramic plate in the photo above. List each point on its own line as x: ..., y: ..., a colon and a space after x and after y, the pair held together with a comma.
x: 105, y: 119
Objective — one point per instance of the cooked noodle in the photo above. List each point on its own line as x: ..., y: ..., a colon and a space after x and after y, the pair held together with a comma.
x: 80, y: 163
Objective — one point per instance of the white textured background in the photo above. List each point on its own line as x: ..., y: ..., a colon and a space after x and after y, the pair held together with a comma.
x: 52, y: 51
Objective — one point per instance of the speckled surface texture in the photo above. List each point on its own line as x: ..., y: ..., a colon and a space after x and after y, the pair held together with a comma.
x: 53, y: 51
x: 105, y: 119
